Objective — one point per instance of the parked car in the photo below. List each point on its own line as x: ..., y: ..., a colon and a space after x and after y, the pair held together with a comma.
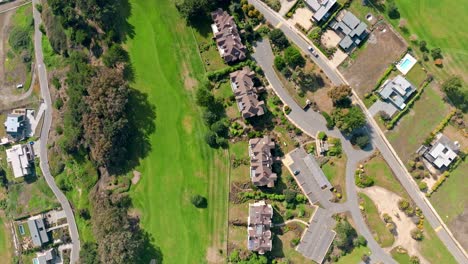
x: 296, y: 172
x: 312, y: 51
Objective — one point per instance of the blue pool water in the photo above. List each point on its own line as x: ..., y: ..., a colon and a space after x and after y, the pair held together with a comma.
x: 21, y: 229
x: 405, y: 65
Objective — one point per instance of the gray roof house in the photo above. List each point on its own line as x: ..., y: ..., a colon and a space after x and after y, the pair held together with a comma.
x: 261, y: 161
x: 246, y: 93
x: 227, y: 37
x: 443, y: 151
x: 15, y: 125
x: 321, y: 8
x: 258, y: 227
x: 352, y: 31
x: 38, y: 231
x: 397, y: 91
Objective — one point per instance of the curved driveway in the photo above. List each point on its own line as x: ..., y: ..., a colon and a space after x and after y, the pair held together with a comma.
x: 378, y: 138
x: 44, y: 163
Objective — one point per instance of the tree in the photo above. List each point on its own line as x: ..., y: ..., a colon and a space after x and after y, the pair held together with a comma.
x: 414, y: 260
x: 456, y: 92
x: 115, y: 55
x: 19, y: 38
x: 280, y: 64
x: 349, y: 119
x: 220, y: 128
x: 192, y: 10
x: 403, y: 204
x: 278, y: 38
x: 340, y: 95
x: 360, y: 241
x: 289, y: 196
x: 422, y: 186
x: 309, y: 81
x: 210, y: 139
x: 361, y: 140
x: 363, y: 180
x: 393, y: 12
x: 345, y: 235
x: 199, y: 201
x: 417, y: 234
x: 293, y: 57
x: 204, y: 97
x: 88, y: 253
x: 105, y: 122
x: 384, y: 116
x: 423, y: 45
x: 436, y: 53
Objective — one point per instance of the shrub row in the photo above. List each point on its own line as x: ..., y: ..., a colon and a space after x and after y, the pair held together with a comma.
x: 440, y: 127
x: 439, y: 182
x: 216, y: 76
x: 394, y: 120
x: 384, y: 76
x: 291, y: 11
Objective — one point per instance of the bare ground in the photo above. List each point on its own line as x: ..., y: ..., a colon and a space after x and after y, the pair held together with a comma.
x: 383, y: 48
x: 460, y: 228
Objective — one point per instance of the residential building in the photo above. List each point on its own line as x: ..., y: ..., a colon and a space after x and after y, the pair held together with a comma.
x: 261, y: 161
x: 321, y: 8
x: 397, y: 91
x: 227, y: 37
x: 15, y: 125
x: 246, y: 93
x: 442, y: 152
x: 20, y: 158
x: 38, y: 231
x: 45, y: 257
x: 258, y: 227
x: 351, y: 30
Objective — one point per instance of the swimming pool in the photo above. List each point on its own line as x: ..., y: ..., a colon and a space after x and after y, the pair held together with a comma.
x: 21, y: 230
x: 405, y: 65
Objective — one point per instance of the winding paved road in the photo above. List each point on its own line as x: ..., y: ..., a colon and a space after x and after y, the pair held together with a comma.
x: 44, y: 163
x: 311, y: 122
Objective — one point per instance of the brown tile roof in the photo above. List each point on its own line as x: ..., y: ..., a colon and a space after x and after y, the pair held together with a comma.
x: 259, y: 224
x: 246, y: 93
x: 227, y: 36
x: 261, y: 161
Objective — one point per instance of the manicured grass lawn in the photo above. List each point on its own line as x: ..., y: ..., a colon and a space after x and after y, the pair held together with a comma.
x: 51, y: 59
x: 240, y: 150
x: 451, y: 198
x: 164, y: 52
x: 355, y: 256
x: 207, y: 46
x: 433, y: 249
x: 377, y: 226
x: 416, y: 75
x: 336, y: 173
x: 6, y: 249
x: 383, y: 176
x: 414, y: 127
x: 436, y: 22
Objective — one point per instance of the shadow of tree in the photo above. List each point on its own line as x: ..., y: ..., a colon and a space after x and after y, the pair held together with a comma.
x: 122, y: 27
x: 149, y: 252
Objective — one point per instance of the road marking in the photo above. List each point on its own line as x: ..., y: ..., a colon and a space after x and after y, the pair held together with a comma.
x: 437, y: 229
x: 279, y: 24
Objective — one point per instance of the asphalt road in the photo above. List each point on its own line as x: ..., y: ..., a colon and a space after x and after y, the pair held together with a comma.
x: 44, y: 163
x: 312, y: 122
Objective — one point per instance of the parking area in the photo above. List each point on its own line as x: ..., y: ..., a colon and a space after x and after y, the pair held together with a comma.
x: 309, y: 175
x: 317, y: 239
x: 386, y: 107
x: 303, y: 17
x: 381, y: 49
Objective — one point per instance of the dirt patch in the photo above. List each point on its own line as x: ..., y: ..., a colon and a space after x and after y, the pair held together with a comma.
x: 134, y: 213
x: 213, y: 255
x: 189, y: 82
x: 330, y: 39
x: 461, y: 228
x: 382, y: 48
x: 187, y: 124
x: 459, y: 135
x: 136, y: 177
x: 323, y: 101
x: 387, y: 202
x: 302, y: 17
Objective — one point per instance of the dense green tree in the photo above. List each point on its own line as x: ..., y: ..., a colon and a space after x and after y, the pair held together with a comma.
x: 193, y: 10
x: 340, y: 95
x: 198, y: 201
x: 345, y: 234
x: 88, y: 253
x: 220, y: 128
x: 278, y: 38
x: 349, y: 119
x: 289, y: 196
x: 361, y: 140
x: 280, y: 64
x: 204, y: 97
x: 293, y: 57
x: 393, y: 11
x: 115, y: 55
x: 436, y: 53
x: 456, y: 92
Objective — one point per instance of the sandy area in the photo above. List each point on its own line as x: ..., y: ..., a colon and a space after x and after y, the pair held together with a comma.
x: 338, y: 58
x: 302, y: 17
x: 286, y: 5
x: 387, y: 202
x: 330, y: 39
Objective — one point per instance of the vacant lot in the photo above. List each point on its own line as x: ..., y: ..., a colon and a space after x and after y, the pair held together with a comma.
x: 377, y: 226
x: 433, y: 249
x: 6, y: 249
x: 383, y: 175
x: 451, y: 201
x: 382, y: 48
x: 436, y: 22
x: 165, y: 58
x: 414, y: 127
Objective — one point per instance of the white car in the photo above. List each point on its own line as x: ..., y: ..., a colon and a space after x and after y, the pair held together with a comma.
x: 312, y: 51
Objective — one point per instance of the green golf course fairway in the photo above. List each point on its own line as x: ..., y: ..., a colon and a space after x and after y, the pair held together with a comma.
x: 165, y: 59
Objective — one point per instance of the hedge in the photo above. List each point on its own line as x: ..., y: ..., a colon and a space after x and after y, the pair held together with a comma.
x: 216, y: 76
x: 384, y: 76
x: 392, y: 123
x: 439, y: 182
x: 440, y: 127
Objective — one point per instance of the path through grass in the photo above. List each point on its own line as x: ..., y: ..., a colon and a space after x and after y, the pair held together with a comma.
x: 167, y: 64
